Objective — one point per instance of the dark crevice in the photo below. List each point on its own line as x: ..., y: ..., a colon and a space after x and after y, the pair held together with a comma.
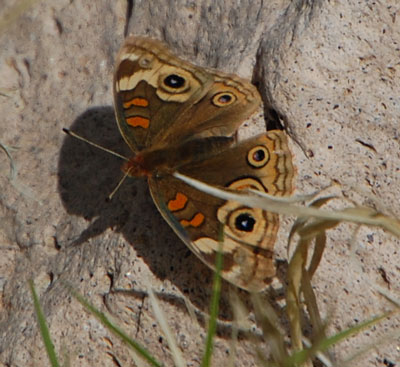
x: 272, y: 120
x: 128, y: 15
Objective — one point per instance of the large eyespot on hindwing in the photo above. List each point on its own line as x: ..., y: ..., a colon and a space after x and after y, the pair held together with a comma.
x: 249, y: 238
x: 258, y: 156
x: 253, y: 226
x: 244, y: 221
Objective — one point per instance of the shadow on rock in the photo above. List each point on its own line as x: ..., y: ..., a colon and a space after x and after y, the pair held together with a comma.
x: 88, y: 175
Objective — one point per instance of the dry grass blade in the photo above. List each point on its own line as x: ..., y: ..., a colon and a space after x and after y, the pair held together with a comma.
x: 300, y: 223
x: 320, y: 242
x: 293, y: 303
x: 299, y: 277
x: 389, y: 297
x: 6, y: 150
x: 269, y: 322
x: 361, y: 215
x: 311, y: 227
x: 23, y: 189
x: 312, y: 307
x: 240, y: 322
x: 162, y: 321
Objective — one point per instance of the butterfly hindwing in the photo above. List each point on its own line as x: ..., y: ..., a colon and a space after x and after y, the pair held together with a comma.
x: 262, y: 163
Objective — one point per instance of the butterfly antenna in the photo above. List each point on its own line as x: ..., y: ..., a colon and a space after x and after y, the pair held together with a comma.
x: 118, y: 185
x: 71, y: 133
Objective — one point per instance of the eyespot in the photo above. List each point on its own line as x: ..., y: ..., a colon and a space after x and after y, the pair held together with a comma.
x: 174, y: 83
x: 145, y: 62
x: 242, y: 222
x: 258, y: 156
x: 223, y: 99
x: 245, y: 222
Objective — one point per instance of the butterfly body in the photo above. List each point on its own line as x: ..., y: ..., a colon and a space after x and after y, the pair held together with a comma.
x: 177, y: 117
x: 170, y: 159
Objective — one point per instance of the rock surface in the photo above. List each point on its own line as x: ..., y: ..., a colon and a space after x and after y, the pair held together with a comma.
x: 328, y: 69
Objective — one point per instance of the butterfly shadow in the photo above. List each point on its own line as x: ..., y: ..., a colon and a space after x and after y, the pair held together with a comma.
x: 87, y: 175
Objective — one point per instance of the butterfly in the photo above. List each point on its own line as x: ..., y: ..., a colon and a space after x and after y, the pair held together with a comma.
x: 179, y: 117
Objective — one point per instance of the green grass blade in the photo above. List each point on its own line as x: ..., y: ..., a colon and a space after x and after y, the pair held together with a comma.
x: 351, y: 331
x: 44, y: 330
x: 303, y: 355
x: 116, y: 330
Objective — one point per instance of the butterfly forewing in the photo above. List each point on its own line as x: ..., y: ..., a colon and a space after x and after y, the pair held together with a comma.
x: 162, y: 100
x: 151, y: 88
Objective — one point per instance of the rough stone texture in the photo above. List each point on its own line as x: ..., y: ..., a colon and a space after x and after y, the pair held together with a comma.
x: 329, y: 70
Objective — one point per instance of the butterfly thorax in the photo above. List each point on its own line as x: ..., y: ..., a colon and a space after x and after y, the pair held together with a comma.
x: 169, y: 159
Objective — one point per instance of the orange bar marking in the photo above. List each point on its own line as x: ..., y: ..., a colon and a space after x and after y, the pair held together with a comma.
x: 138, y: 121
x: 141, y: 102
x: 196, y: 221
x: 178, y: 203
